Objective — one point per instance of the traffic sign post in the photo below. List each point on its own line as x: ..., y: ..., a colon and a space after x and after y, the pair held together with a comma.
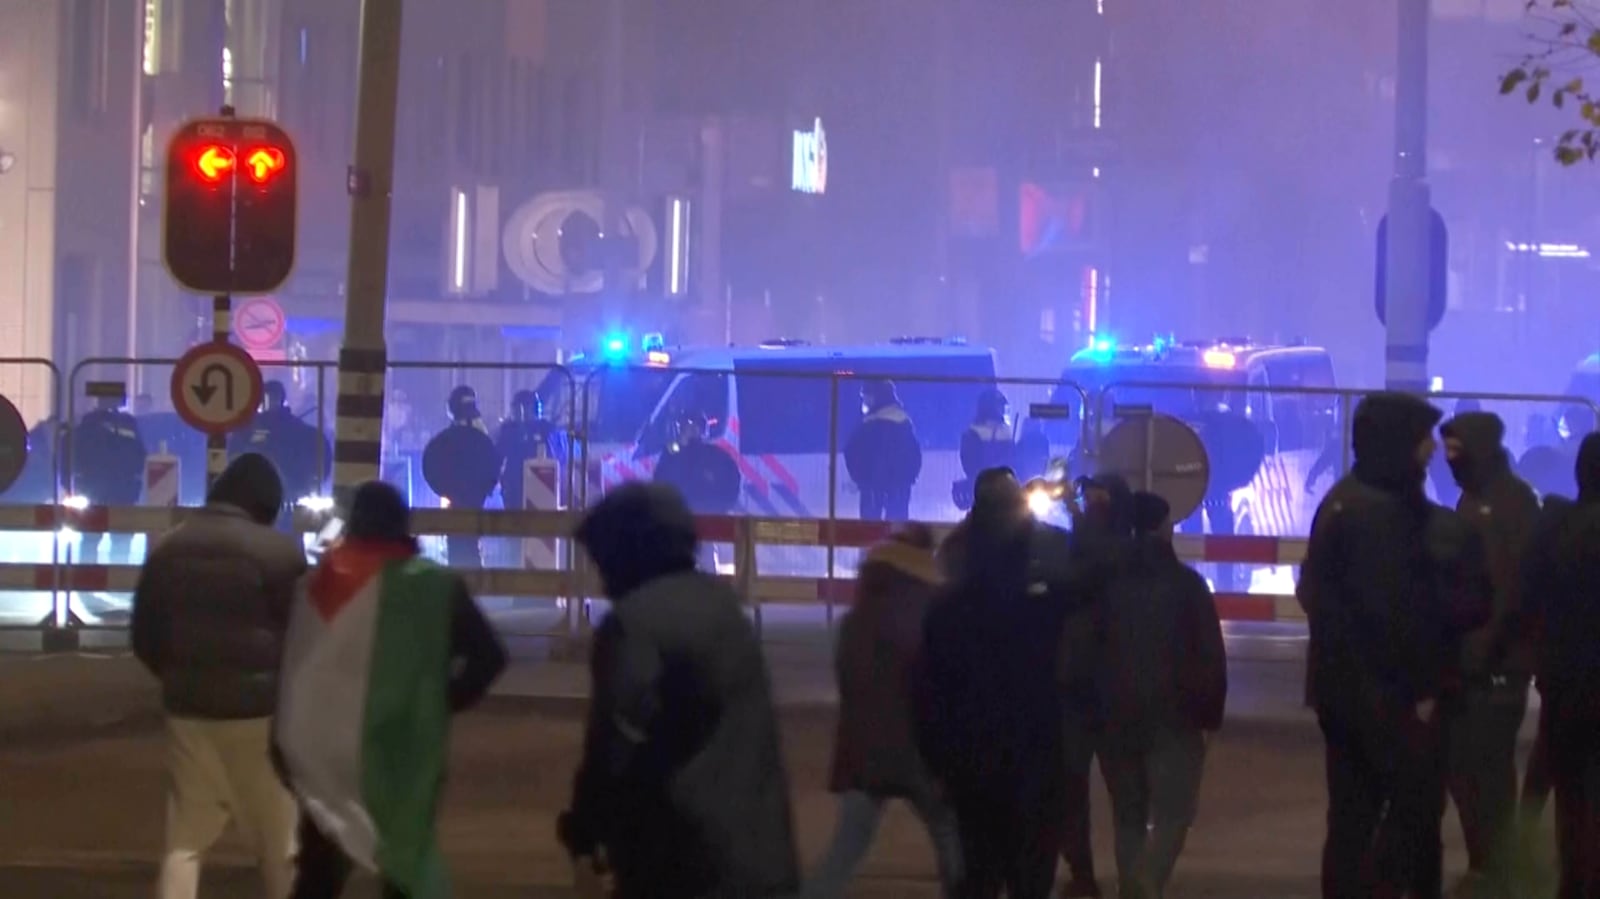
x: 259, y: 323
x: 1438, y: 270
x: 13, y: 443
x: 216, y: 388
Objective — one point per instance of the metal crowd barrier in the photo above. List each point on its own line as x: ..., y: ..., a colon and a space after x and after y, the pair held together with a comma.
x: 64, y: 577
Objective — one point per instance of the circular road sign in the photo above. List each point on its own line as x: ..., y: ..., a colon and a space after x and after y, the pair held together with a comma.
x: 259, y: 323
x: 1160, y: 454
x: 13, y: 443
x: 216, y: 387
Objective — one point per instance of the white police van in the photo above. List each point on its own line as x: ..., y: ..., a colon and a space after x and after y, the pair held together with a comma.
x: 1264, y: 447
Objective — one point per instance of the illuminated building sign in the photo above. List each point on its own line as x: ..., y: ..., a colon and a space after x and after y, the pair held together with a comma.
x: 810, y: 160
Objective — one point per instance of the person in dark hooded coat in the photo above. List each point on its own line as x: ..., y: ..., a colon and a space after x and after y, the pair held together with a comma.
x: 875, y: 755
x: 990, y: 722
x: 1562, y: 578
x: 1497, y: 661
x: 681, y: 791
x: 1391, y: 582
x: 1163, y: 680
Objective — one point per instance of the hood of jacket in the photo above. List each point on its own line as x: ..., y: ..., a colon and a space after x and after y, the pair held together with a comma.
x: 251, y: 483
x: 638, y: 533
x: 1483, y: 456
x: 1587, y: 469
x: 1385, y: 433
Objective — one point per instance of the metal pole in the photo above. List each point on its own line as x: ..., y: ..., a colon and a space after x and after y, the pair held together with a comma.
x: 613, y: 151
x: 216, y: 441
x: 363, y: 360
x: 1406, y: 343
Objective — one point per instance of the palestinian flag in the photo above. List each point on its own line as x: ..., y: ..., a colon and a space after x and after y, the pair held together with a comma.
x: 363, y: 715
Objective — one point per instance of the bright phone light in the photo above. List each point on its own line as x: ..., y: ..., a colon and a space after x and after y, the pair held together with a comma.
x: 316, y: 503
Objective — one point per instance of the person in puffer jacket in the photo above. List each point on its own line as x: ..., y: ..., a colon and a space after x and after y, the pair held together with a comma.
x: 875, y: 756
x: 1497, y: 658
x: 1163, y: 682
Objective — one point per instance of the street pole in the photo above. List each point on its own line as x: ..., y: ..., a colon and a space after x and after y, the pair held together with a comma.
x: 613, y: 150
x: 1406, y: 335
x: 222, y: 327
x: 363, y: 359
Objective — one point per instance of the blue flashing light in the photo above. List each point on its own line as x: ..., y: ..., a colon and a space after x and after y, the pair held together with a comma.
x: 615, y: 346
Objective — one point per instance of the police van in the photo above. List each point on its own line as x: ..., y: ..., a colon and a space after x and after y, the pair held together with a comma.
x: 774, y: 408
x: 1272, y: 454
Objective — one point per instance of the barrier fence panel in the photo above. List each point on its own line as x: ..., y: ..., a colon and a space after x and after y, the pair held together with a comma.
x: 29, y: 555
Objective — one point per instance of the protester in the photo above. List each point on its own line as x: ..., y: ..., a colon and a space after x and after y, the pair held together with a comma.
x: 383, y: 647
x: 1163, y: 683
x: 990, y: 714
x: 875, y: 756
x: 1497, y: 661
x: 681, y: 791
x: 208, y: 622
x: 1390, y: 584
x: 1563, y: 569
x: 1101, y: 529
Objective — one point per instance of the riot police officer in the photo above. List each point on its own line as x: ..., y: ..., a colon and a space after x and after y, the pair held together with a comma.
x: 703, y: 472
x: 462, y: 466
x: 525, y: 435
x: 883, y: 455
x: 108, y: 455
x: 302, y: 456
x: 985, y: 444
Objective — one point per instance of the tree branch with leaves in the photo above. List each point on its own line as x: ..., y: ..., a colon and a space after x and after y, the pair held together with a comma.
x: 1565, y: 35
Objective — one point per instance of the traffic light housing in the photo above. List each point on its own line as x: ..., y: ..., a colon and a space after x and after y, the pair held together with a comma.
x: 231, y: 195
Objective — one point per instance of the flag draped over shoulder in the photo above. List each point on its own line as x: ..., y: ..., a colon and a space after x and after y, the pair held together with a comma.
x: 363, y: 712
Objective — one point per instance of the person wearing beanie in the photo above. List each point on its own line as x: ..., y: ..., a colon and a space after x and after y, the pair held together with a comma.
x: 875, y: 755
x: 208, y: 622
x: 681, y: 791
x: 1391, y: 584
x: 383, y: 647
x: 1162, y: 685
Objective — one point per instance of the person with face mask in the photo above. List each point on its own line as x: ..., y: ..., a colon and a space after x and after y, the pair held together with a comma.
x: 1390, y: 584
x: 1497, y: 660
x: 883, y: 455
x: 462, y: 466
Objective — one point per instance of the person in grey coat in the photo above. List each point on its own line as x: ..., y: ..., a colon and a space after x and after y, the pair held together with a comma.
x: 209, y: 616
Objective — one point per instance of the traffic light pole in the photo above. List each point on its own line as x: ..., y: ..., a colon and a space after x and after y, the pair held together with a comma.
x: 363, y: 360
x: 1406, y: 334
x: 221, y: 330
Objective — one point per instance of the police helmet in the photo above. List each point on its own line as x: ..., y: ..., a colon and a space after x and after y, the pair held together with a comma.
x: 274, y: 396
x: 526, y: 405
x: 463, y: 403
x: 878, y: 393
x: 993, y: 405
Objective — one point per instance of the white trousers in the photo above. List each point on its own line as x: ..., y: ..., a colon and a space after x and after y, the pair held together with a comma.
x: 220, y: 771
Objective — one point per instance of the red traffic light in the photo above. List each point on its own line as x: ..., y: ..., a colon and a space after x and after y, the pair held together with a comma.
x: 263, y: 164
x: 214, y: 162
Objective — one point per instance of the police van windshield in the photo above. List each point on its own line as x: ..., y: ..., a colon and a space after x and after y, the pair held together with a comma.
x: 784, y: 404
x: 1185, y: 399
x: 620, y: 400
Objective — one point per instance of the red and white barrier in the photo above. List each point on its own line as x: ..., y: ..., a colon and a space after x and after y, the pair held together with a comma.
x: 161, y: 479
x: 543, y: 529
x: 541, y: 492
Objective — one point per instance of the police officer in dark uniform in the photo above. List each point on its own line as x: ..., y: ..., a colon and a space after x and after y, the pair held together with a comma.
x: 883, y: 456
x: 302, y: 456
x: 703, y: 472
x: 525, y: 435
x: 108, y: 456
x: 985, y: 444
x: 462, y: 466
